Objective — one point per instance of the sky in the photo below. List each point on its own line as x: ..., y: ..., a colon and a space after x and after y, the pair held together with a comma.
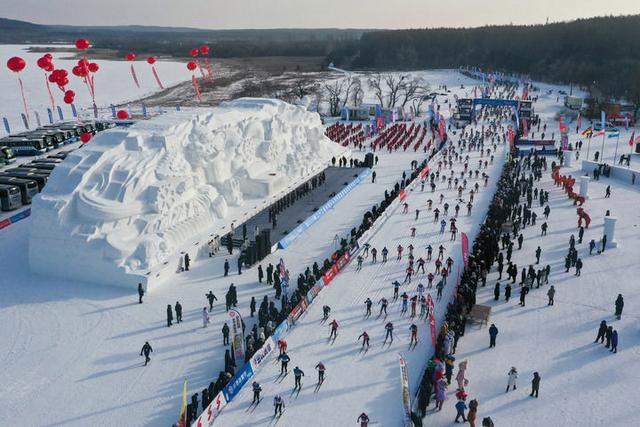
x: 227, y: 14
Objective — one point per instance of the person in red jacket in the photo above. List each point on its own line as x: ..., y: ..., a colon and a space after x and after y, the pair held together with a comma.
x: 334, y: 329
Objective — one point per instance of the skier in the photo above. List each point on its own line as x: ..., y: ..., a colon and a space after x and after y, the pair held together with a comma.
x: 439, y: 288
x: 619, y: 306
x: 414, y: 335
x: 383, y: 306
x: 320, y: 367
x: 551, y: 293
x: 535, y: 384
x: 396, y: 287
x: 278, y: 403
x: 284, y: 361
x: 405, y: 300
x: 225, y: 334
x: 363, y: 419
x: 297, y: 375
x: 374, y: 255
x: 513, y: 376
x: 140, y: 293
x: 359, y: 266
x: 368, y: 304
x: 365, y: 339
x: 493, y: 333
x: 178, y: 312
x: 385, y: 252
x: 325, y: 312
x: 211, y: 298
x: 146, y: 349
x: 256, y: 392
x: 169, y: 315
x: 205, y: 317
x: 389, y: 334
x: 334, y: 329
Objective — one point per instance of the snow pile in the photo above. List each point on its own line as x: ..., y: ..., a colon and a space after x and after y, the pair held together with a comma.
x: 130, y: 199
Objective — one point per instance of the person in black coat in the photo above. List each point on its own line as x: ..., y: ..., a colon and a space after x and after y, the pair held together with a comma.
x: 187, y: 262
x: 225, y: 334
x: 523, y: 295
x: 226, y: 267
x: 178, y: 312
x: 211, y: 298
x: 535, y: 384
x: 496, y: 292
x: 260, y: 273
x: 169, y: 315
x: 493, y: 333
x: 507, y: 292
x: 619, y: 306
x: 252, y: 306
x: 607, y: 335
x: 602, y: 330
x: 140, y: 293
x: 240, y: 259
x: 146, y: 350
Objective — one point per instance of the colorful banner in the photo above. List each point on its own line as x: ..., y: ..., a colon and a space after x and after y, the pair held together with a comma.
x: 212, y: 411
x: 403, y: 195
x: 235, y: 385
x: 465, y: 247
x: 432, y: 319
x: 15, y: 218
x: 297, y: 311
x: 182, y: 418
x: 262, y: 353
x: 406, y: 395
x: 424, y: 172
x: 237, y: 337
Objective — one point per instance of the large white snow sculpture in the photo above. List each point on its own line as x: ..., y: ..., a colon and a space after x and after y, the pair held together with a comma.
x: 121, y: 208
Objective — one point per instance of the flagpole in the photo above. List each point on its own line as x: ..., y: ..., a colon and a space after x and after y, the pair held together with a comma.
x: 615, y: 155
x: 604, y: 135
x: 588, y: 147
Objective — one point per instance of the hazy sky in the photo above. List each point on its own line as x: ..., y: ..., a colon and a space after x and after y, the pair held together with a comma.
x: 310, y: 13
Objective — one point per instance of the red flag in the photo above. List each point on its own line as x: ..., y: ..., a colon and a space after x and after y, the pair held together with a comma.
x: 633, y: 135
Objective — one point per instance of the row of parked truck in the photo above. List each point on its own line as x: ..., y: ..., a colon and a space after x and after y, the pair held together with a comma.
x: 18, y: 185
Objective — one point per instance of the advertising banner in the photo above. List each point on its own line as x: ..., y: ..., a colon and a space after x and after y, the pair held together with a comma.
x: 235, y: 385
x: 262, y: 353
x: 465, y: 248
x: 212, y: 412
x: 406, y: 396
x: 237, y: 337
x: 297, y: 311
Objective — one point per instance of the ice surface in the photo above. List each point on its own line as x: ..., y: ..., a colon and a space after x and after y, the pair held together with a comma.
x: 131, y: 198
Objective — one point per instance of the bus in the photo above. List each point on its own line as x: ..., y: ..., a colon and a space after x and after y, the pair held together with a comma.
x: 7, y: 156
x: 28, y: 187
x: 22, y: 146
x: 10, y: 197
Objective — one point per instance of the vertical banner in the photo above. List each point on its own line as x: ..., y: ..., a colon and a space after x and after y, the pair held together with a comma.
x: 182, y: 418
x: 406, y: 396
x: 144, y: 110
x: 211, y: 413
x: 6, y: 125
x: 50, y: 114
x: 237, y: 337
x: 60, y: 112
x: 113, y: 111
x: 74, y: 112
x: 25, y: 122
x: 432, y: 319
x: 465, y: 248
x: 37, y: 118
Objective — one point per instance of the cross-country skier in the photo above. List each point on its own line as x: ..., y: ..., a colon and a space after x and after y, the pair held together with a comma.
x: 256, y: 392
x: 325, y: 312
x: 297, y: 375
x: 278, y: 403
x: 396, y: 287
x: 385, y: 252
x: 284, y: 361
x: 389, y: 334
x: 365, y: 339
x: 414, y: 335
x: 383, y: 306
x: 334, y: 329
x: 320, y: 367
x: 368, y: 304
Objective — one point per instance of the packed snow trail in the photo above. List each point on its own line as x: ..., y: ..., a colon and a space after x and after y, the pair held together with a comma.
x: 358, y: 381
x: 582, y: 382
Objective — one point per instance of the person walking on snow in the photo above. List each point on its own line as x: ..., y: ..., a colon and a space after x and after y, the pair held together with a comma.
x: 225, y: 334
x: 493, y: 333
x: 178, y: 307
x: 535, y: 384
x: 211, y: 298
x: 551, y: 294
x: 146, y: 350
x: 460, y: 376
x: 619, y: 306
x: 205, y: 317
x: 614, y: 341
x: 140, y: 293
x: 513, y: 376
x: 169, y: 315
x: 460, y: 408
x: 363, y: 419
x: 602, y: 331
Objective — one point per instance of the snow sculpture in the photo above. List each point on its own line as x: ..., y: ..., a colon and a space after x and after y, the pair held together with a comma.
x: 119, y: 210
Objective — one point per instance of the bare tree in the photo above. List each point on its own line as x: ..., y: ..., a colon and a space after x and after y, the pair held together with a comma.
x: 350, y: 83
x: 357, y: 94
x: 375, y: 83
x: 333, y: 92
x: 395, y: 84
x: 412, y: 89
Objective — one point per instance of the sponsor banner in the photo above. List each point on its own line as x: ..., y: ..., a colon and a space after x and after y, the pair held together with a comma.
x: 235, y: 385
x: 329, y: 275
x: 297, y: 311
x: 539, y: 142
x: 403, y: 195
x: 237, y: 337
x: 15, y: 218
x: 313, y: 292
x: 424, y: 172
x: 280, y: 330
x: 296, y: 232
x: 343, y: 260
x: 354, y: 249
x: 432, y: 319
x: 212, y: 412
x: 465, y: 248
x: 406, y: 396
x: 262, y: 353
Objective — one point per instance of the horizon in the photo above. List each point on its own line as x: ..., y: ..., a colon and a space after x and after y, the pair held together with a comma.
x: 291, y: 14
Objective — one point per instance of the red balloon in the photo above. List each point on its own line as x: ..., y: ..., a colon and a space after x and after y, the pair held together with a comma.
x: 49, y: 68
x: 52, y: 78
x: 62, y: 72
x: 82, y: 44
x: 191, y: 65
x: 43, y: 62
x: 83, y: 62
x: 62, y: 81
x: 79, y: 71
x: 16, y: 64
x: 85, y: 137
x: 70, y: 93
x: 151, y: 60
x: 194, y: 52
x: 130, y: 56
x: 122, y: 114
x: 93, y: 67
x: 48, y: 55
x: 68, y: 99
x: 204, y: 49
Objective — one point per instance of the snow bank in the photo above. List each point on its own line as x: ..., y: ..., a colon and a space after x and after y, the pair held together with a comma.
x: 128, y: 201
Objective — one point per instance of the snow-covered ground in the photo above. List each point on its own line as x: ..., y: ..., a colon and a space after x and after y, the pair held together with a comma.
x: 113, y: 83
x: 70, y: 352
